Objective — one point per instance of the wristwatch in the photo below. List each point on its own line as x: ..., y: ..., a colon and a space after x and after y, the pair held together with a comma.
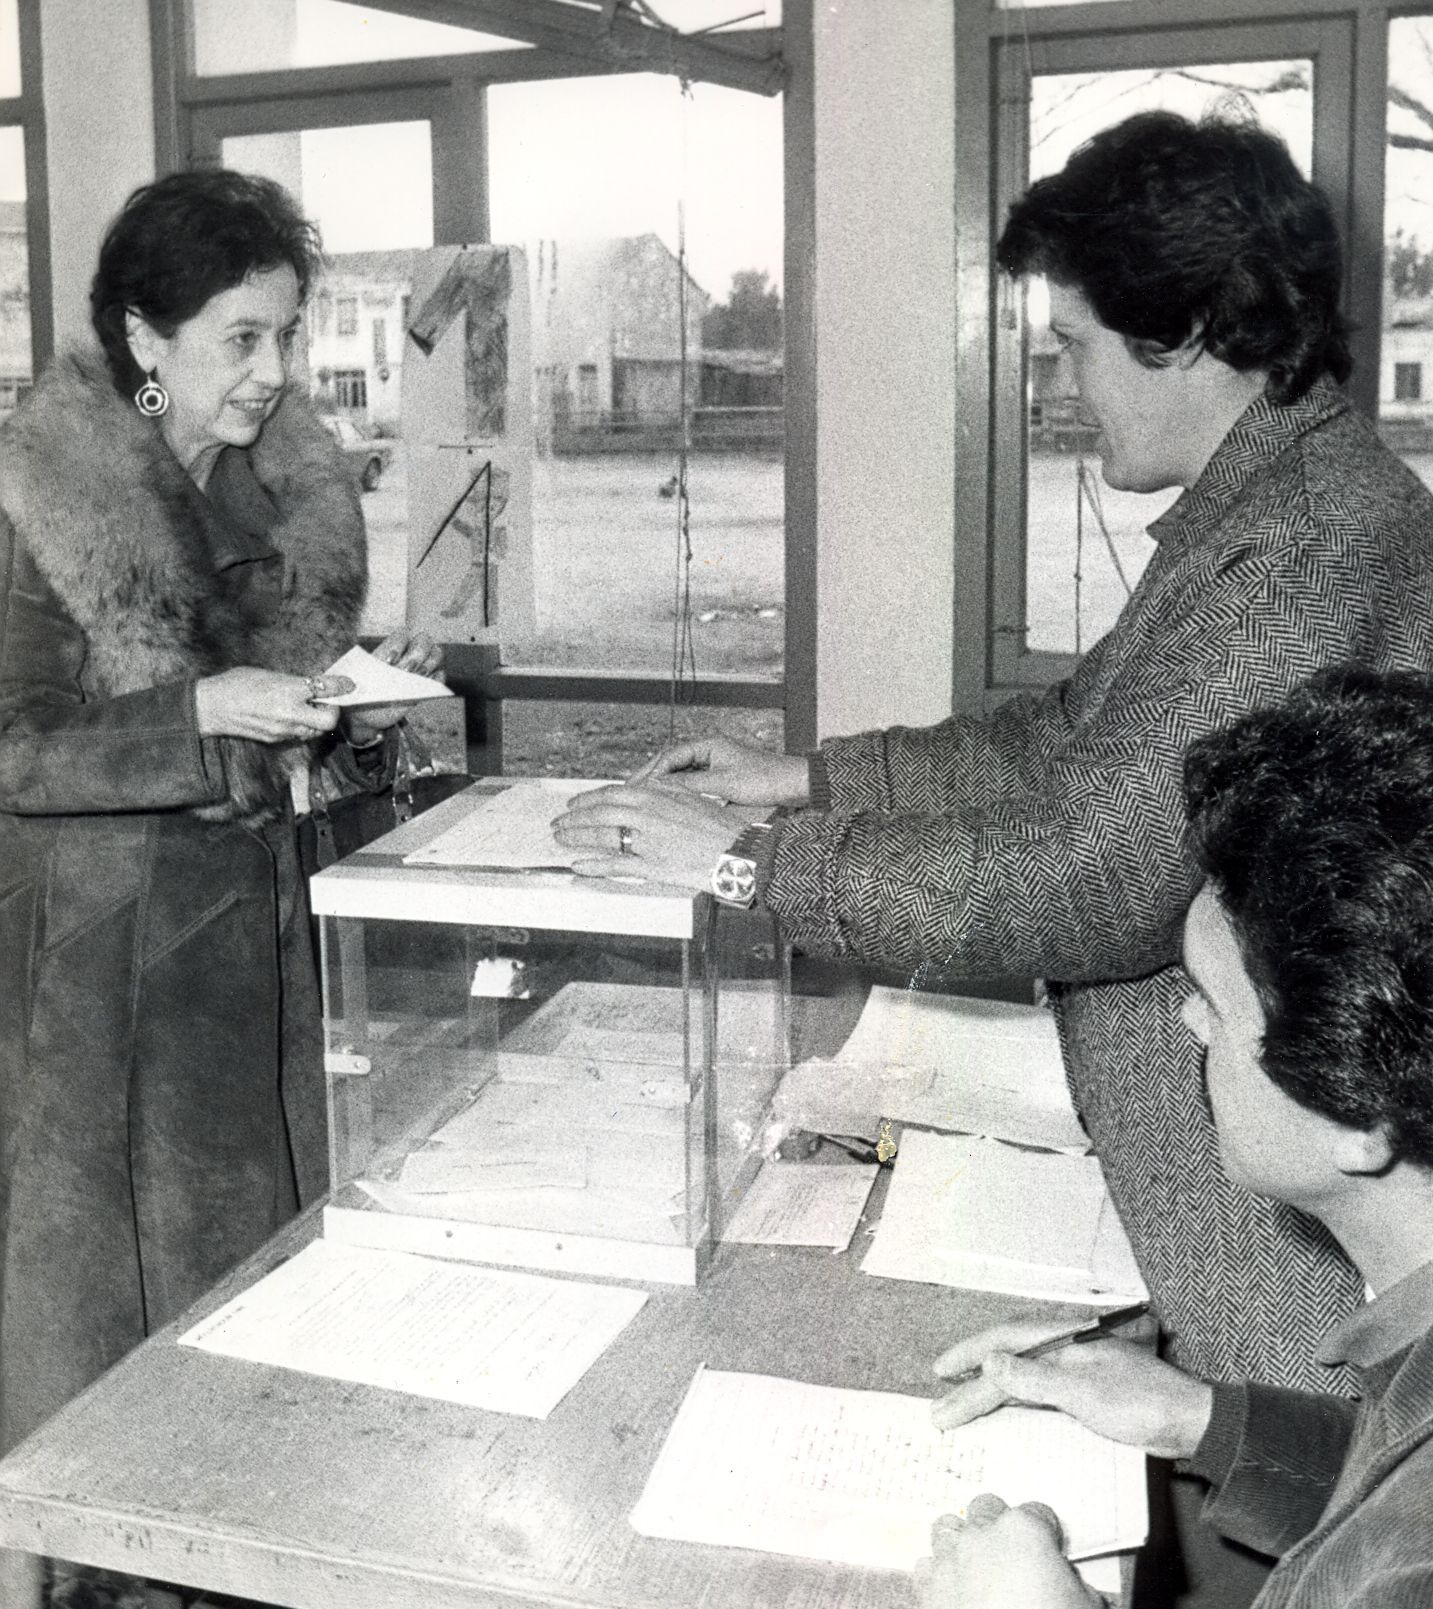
x: 734, y: 875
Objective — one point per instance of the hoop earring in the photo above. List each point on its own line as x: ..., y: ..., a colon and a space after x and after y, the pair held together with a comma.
x: 152, y: 399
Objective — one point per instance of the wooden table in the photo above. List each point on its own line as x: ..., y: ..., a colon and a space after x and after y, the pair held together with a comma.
x: 319, y: 1494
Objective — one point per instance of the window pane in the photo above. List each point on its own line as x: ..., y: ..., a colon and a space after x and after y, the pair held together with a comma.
x: 370, y: 190
x: 1086, y: 544
x: 262, y: 35
x: 15, y: 358
x: 602, y: 235
x: 610, y: 740
x: 1405, y: 393
x: 9, y: 47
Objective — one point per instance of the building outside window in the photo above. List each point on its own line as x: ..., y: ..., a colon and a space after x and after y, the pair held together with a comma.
x: 350, y: 390
x: 1407, y: 382
x: 380, y: 341
x: 346, y: 312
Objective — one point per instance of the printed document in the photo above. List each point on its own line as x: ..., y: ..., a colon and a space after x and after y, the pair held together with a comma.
x: 857, y: 1477
x: 802, y: 1204
x: 943, y: 1061
x: 986, y: 1216
x: 513, y: 1343
x: 510, y: 831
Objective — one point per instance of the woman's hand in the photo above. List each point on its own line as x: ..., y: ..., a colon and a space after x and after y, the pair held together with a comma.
x: 1122, y: 1391
x: 675, y: 837
x: 995, y: 1557
x: 739, y: 773
x: 264, y: 705
x: 408, y: 651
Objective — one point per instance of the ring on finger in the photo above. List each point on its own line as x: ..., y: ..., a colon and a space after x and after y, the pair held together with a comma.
x: 316, y: 686
x: 624, y: 841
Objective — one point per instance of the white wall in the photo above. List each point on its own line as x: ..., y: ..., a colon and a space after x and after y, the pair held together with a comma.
x: 885, y: 346
x: 99, y: 126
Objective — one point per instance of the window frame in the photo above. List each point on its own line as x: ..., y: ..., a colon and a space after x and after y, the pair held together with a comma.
x: 995, y: 52
x: 194, y: 114
x: 26, y: 111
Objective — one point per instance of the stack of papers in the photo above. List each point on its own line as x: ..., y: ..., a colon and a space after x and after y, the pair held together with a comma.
x: 514, y: 1343
x: 986, y: 1216
x: 858, y: 1477
x: 944, y: 1062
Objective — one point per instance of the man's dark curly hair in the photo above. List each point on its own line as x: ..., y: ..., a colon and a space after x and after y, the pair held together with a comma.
x: 1314, y: 822
x: 179, y: 242
x: 1176, y: 231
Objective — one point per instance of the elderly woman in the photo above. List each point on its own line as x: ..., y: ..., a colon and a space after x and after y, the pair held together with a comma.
x: 1195, y: 281
x: 181, y: 556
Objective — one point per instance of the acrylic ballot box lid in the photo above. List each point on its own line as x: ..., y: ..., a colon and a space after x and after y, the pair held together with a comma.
x: 376, y: 883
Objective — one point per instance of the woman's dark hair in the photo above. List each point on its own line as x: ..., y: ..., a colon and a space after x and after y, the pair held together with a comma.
x: 181, y: 241
x: 1314, y: 823
x: 1176, y: 231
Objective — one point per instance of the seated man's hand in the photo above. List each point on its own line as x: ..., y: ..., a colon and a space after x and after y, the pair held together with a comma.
x: 739, y: 773
x: 1120, y: 1390
x: 999, y: 1558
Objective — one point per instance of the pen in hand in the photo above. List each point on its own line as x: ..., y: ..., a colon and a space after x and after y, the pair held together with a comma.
x: 1095, y: 1329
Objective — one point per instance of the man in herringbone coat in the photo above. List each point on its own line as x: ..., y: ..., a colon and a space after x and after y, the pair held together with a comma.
x: 1194, y: 277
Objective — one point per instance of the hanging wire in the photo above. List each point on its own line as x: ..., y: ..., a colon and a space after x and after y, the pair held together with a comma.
x: 684, y: 659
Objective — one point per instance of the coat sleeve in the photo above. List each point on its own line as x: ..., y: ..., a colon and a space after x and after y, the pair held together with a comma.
x: 1274, y: 1457
x: 1082, y: 871
x: 64, y: 754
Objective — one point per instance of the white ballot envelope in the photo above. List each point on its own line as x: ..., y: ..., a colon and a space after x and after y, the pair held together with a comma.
x: 375, y: 682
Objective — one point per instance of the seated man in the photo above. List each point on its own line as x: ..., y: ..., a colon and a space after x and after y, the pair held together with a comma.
x: 1310, y: 949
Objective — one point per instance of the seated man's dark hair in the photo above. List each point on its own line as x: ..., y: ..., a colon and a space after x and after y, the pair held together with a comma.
x: 184, y: 239
x: 1176, y: 231
x: 1314, y: 822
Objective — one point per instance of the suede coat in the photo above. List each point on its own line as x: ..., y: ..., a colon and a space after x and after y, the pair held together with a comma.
x: 161, y: 1084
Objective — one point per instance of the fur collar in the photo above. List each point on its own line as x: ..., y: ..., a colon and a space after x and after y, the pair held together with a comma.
x: 108, y: 514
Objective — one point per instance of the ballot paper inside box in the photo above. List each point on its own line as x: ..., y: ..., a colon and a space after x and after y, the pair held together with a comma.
x: 532, y: 1068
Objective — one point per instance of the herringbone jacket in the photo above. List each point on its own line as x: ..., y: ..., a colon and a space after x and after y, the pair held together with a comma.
x: 1049, y: 841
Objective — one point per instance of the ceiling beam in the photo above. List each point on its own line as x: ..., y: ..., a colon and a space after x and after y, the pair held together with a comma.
x: 747, y: 59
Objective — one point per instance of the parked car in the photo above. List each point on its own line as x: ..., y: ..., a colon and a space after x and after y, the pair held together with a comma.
x: 371, y: 455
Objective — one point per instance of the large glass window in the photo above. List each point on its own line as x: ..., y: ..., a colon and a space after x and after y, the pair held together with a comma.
x: 9, y: 49
x: 1405, y: 401
x: 16, y: 355
x: 1085, y: 545
x: 654, y: 308
x: 616, y: 384
x: 261, y: 35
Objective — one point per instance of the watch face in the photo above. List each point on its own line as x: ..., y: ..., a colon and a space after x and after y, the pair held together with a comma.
x: 734, y: 880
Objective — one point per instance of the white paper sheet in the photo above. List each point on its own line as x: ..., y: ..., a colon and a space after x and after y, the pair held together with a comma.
x: 943, y: 1061
x: 857, y: 1477
x: 513, y: 1343
x: 378, y: 683
x: 525, y: 1166
x: 802, y: 1204
x: 511, y: 830
x: 985, y: 1216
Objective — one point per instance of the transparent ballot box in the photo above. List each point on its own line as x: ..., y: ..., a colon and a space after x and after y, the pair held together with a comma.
x: 538, y: 1069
